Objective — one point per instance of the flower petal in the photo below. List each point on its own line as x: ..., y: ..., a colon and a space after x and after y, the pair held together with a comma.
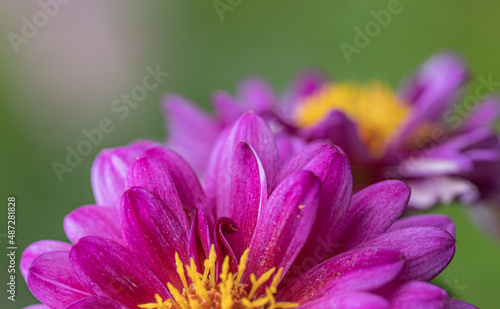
x: 185, y: 179
x: 226, y: 108
x: 354, y: 271
x: 199, y: 238
x: 192, y: 133
x: 373, y: 210
x: 339, y: 129
x: 52, y: 280
x: 224, y: 227
x: 110, y: 169
x: 96, y: 302
x: 428, y: 250
x: 288, y: 145
x: 298, y: 162
x: 151, y: 174
x: 353, y: 300
x: 427, y: 192
x: 305, y: 84
x: 433, y: 88
x: 458, y: 304
x: 248, y: 195
x: 284, y: 224
x: 425, y: 167
x: 332, y: 167
x: 105, y: 268
x: 251, y: 128
x: 437, y: 220
x: 153, y: 233
x: 37, y: 306
x: 418, y: 295
x: 437, y: 79
x: 487, y: 112
x: 93, y: 220
x: 37, y: 248
x: 256, y: 94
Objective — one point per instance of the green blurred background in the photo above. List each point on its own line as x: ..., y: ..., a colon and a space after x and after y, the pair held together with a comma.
x: 64, y: 80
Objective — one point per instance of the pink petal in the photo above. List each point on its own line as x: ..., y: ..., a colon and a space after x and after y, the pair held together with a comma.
x: 255, y: 94
x: 432, y: 89
x: 332, y: 167
x: 106, y: 268
x: 96, y: 302
x: 110, y: 169
x: 441, y: 221
x: 458, y: 304
x: 185, y: 179
x: 353, y: 300
x: 428, y: 250
x: 354, y: 271
x: 284, y: 224
x: 486, y: 114
x: 373, y: 210
x: 418, y: 295
x: 93, y: 220
x: 199, y: 238
x: 151, y: 174
x: 427, y: 192
x: 52, y: 281
x: 305, y: 84
x: 251, y: 128
x: 36, y: 307
x: 192, y: 133
x: 153, y: 233
x: 288, y: 145
x: 224, y: 227
x: 340, y: 130
x: 226, y: 108
x: 248, y: 195
x: 38, y: 248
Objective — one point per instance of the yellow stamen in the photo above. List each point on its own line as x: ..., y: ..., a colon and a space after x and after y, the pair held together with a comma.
x: 228, y: 293
x: 375, y: 109
x: 241, y: 268
x: 258, y: 283
x: 194, y: 304
x: 181, y: 301
x: 198, y: 286
x: 212, y: 258
x: 160, y: 304
x: 209, y: 266
x: 276, y: 280
x: 180, y: 271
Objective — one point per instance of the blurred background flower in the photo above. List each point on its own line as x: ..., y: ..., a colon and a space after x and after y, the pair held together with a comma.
x: 443, y: 147
x: 66, y: 78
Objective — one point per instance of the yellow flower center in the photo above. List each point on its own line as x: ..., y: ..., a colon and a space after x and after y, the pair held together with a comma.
x: 229, y: 293
x: 374, y: 108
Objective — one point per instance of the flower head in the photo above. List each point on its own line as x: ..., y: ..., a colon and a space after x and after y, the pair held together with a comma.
x: 420, y: 134
x: 256, y: 235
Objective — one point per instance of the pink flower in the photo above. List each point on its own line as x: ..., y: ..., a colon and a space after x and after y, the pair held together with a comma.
x: 443, y: 152
x: 254, y: 236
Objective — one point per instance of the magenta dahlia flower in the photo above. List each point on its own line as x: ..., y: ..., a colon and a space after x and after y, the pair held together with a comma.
x: 443, y: 151
x: 256, y: 235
